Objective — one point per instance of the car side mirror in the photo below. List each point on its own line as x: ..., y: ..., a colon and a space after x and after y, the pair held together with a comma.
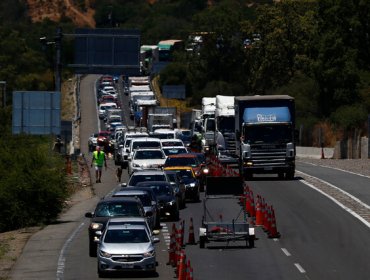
x: 89, y: 215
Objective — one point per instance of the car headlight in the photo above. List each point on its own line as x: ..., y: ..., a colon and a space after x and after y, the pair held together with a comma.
x: 149, y: 254
x: 191, y: 185
x: 172, y: 202
x: 96, y: 226
x: 104, y: 254
x: 205, y: 170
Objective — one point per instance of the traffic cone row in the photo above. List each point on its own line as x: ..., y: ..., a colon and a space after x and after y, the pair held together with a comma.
x: 263, y: 215
x: 172, y: 249
x: 176, y: 253
x: 184, y: 271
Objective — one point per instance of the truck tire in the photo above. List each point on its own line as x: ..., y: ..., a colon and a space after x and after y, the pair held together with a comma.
x: 290, y: 175
x: 202, y: 242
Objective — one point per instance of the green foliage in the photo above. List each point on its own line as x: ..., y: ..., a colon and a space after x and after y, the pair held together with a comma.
x: 349, y: 116
x: 32, y: 182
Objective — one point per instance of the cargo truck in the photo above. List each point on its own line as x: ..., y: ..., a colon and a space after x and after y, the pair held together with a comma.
x: 225, y: 129
x: 265, y: 135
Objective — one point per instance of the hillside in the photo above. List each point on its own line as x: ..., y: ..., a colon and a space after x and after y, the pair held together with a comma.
x: 56, y: 9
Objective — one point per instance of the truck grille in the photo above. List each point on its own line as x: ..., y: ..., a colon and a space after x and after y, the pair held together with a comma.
x: 268, y: 155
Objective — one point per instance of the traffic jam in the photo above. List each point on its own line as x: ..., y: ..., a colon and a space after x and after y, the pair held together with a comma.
x: 164, y: 174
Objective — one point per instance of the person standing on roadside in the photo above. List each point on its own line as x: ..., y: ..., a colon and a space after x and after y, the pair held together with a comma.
x: 98, y: 160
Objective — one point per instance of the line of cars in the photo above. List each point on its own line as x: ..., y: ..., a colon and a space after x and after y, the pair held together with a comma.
x: 163, y: 176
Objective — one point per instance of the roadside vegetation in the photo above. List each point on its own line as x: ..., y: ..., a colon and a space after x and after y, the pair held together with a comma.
x: 314, y: 50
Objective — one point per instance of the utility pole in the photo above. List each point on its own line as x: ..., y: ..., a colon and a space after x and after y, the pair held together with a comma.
x: 58, y: 64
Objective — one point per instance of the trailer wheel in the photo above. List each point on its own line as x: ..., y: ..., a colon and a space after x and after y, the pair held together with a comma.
x: 251, y: 241
x: 202, y: 242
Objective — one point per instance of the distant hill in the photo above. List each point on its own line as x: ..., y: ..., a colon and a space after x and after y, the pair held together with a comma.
x: 56, y: 9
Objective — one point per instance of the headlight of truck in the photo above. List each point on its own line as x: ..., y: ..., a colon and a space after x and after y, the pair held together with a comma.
x: 191, y: 185
x: 289, y: 150
x: 205, y: 170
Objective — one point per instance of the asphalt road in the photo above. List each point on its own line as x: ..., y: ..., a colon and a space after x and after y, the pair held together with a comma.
x: 319, y: 239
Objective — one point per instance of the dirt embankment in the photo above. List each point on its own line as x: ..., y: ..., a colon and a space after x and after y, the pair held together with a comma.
x: 55, y: 9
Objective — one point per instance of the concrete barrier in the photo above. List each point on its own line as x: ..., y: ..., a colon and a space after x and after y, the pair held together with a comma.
x: 314, y: 152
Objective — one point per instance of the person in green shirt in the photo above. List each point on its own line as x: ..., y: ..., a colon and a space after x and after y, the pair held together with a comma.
x: 98, y: 160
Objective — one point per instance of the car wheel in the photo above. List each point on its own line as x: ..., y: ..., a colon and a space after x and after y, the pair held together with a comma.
x: 92, y: 249
x: 101, y: 274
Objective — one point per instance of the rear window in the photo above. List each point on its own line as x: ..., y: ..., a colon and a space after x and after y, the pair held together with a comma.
x: 180, y: 161
x: 113, y: 209
x: 146, y: 144
x: 143, y: 178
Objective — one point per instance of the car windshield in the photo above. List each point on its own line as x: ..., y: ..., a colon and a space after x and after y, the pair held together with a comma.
x: 112, y: 209
x: 185, y: 173
x: 148, y: 154
x: 146, y: 144
x: 182, y: 161
x: 172, y: 144
x: 174, y: 151
x: 143, y: 178
x: 161, y: 189
x: 145, y: 198
x: 126, y: 236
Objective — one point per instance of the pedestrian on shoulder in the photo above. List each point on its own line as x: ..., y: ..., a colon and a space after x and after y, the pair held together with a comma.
x: 98, y: 160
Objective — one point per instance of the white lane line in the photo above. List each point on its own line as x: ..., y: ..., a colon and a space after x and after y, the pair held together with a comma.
x: 336, y: 168
x: 62, y: 258
x: 286, y: 252
x: 300, y: 268
x: 353, y: 213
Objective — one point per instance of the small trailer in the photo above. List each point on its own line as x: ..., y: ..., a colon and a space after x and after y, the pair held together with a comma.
x: 220, y: 230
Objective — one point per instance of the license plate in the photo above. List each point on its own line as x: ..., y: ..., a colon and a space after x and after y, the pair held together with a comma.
x: 126, y: 265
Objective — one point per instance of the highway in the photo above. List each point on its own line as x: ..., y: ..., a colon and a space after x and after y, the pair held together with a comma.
x: 319, y: 238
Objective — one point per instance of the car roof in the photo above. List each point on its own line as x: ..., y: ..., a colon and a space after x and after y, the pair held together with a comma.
x: 129, y: 192
x: 184, y: 155
x: 127, y: 219
x: 148, y: 172
x: 127, y: 226
x: 119, y: 199
x: 154, y: 183
x: 174, y: 168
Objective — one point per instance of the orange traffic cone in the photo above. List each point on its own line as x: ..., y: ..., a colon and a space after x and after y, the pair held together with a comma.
x: 259, y: 218
x: 273, y: 229
x: 181, y: 268
x: 172, y: 248
x: 191, y: 239
x: 189, y: 274
x: 266, y: 218
x: 182, y: 233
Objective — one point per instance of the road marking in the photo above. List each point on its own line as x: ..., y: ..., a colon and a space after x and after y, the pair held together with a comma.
x: 286, y: 252
x: 336, y: 168
x: 62, y: 258
x: 339, y: 203
x: 300, y: 268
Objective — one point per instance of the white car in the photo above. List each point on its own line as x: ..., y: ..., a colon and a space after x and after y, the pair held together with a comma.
x: 106, y: 106
x: 146, y: 159
x: 126, y: 248
x: 172, y: 143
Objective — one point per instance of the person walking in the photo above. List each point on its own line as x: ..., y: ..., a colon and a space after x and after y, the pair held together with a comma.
x: 98, y: 160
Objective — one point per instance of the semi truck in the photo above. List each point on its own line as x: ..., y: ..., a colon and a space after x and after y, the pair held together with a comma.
x: 225, y: 129
x: 265, y: 135
x: 208, y: 123
x: 166, y: 48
